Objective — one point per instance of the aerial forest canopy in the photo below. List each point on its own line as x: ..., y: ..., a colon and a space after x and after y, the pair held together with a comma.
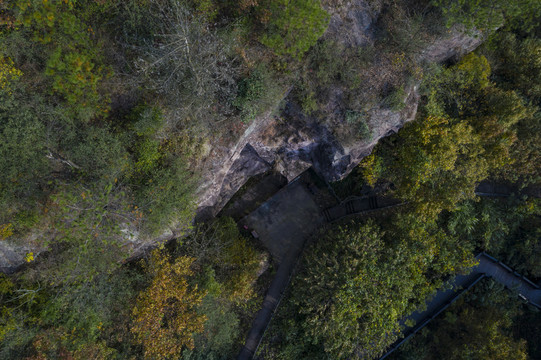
x: 112, y: 111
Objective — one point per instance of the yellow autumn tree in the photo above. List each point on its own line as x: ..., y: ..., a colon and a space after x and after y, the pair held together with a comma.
x: 438, y: 164
x: 8, y: 74
x: 164, y: 317
x: 464, y: 133
x: 6, y: 230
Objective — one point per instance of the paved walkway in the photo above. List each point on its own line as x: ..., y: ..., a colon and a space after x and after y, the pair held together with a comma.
x: 285, y: 220
x: 283, y: 223
x: 487, y: 267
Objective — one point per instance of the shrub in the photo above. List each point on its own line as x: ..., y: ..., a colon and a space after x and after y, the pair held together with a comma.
x: 396, y: 99
x: 308, y: 101
x: 329, y: 66
x: 26, y: 219
x: 294, y: 26
x: 166, y: 197
x: 257, y: 93
x: 371, y: 169
x: 357, y: 119
x: 6, y: 230
x: 8, y: 73
x: 147, y: 154
x: 145, y: 120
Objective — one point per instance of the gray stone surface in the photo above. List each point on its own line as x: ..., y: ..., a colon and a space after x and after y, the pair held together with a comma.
x: 283, y: 223
x: 453, y: 45
x: 352, y: 24
x: 11, y: 256
x: 294, y: 142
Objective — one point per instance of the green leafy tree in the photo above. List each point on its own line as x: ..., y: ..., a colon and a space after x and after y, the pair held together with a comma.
x: 229, y: 266
x: 489, y: 14
x: 159, y: 175
x: 516, y: 63
x: 358, y: 282
x: 444, y: 164
x: 477, y: 326
x: 517, y: 67
x: 292, y: 26
x: 234, y: 258
x: 221, y: 331
x: 73, y: 62
x: 526, y: 153
x: 94, y: 152
x: 506, y: 228
x: 89, y: 224
x: 454, y: 90
x: 24, y: 166
x: 257, y: 93
x: 464, y: 133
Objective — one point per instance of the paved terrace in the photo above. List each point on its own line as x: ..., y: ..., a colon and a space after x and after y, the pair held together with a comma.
x: 283, y: 223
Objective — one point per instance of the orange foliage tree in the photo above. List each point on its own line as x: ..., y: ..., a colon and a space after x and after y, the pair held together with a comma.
x: 164, y: 317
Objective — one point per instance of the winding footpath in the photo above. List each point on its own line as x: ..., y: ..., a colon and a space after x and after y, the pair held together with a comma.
x: 282, y: 223
x: 287, y: 219
x: 487, y: 267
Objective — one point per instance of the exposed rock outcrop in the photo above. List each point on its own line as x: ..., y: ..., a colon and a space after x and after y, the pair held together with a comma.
x: 455, y: 44
x: 293, y: 142
x: 12, y: 256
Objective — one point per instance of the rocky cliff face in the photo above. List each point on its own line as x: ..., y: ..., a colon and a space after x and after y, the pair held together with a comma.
x: 293, y: 142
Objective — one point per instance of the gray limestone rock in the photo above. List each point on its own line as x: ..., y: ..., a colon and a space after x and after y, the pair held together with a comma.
x: 294, y: 142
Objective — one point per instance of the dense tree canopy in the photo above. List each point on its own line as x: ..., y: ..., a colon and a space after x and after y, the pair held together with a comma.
x: 489, y: 14
x: 110, y: 109
x: 477, y: 326
x: 465, y: 132
x: 164, y: 318
x: 358, y: 282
